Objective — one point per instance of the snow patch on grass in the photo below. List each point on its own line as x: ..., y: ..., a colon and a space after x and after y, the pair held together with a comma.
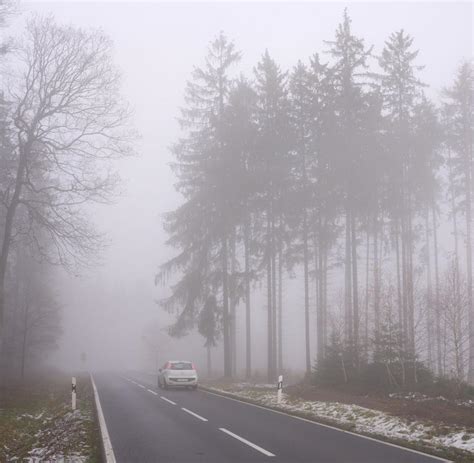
x: 42, y: 455
x: 31, y: 417
x: 244, y: 385
x: 67, y: 432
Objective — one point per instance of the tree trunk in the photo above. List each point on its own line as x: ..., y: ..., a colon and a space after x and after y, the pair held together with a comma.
x: 376, y: 279
x: 24, y: 340
x: 269, y: 303
x: 325, y: 294
x: 410, y: 289
x: 209, y: 362
x: 429, y: 298
x: 355, y: 289
x: 248, y: 338
x: 280, y: 307
x: 367, y: 279
x: 318, y: 267
x: 306, y: 292
x: 469, y: 270
x: 233, y: 304
x: 437, y: 304
x: 6, y: 243
x: 225, y: 304
x: 404, y: 285
x: 399, y: 280
x: 456, y: 254
x: 274, y: 304
x: 411, y: 304
x: 348, y: 281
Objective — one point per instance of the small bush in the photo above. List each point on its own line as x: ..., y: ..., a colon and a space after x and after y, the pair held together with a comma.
x: 377, y: 377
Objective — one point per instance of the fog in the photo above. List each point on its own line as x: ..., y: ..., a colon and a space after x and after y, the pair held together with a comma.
x: 110, y: 311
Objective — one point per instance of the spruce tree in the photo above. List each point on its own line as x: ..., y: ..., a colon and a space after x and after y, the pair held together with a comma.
x: 273, y: 147
x: 350, y: 57
x: 400, y: 89
x: 202, y: 226
x: 459, y: 108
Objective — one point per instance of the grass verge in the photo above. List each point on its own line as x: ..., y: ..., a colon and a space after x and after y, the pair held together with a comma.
x: 37, y: 423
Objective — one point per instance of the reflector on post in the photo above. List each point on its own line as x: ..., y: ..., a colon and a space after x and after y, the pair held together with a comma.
x: 279, y: 388
x: 73, y: 393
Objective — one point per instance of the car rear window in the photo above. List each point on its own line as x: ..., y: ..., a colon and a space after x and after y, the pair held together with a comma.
x: 181, y: 366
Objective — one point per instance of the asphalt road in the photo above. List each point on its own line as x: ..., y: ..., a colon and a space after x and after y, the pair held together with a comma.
x: 157, y: 426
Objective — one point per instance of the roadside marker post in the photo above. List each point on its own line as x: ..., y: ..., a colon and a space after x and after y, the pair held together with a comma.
x: 280, y: 388
x: 73, y: 393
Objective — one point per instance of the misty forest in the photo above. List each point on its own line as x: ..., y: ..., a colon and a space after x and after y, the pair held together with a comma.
x: 339, y: 171
x: 345, y: 176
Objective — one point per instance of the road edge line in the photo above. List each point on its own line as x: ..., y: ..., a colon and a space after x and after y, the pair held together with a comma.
x: 230, y: 396
x: 107, y: 450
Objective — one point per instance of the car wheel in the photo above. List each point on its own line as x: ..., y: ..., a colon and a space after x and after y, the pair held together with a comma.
x: 194, y: 387
x: 165, y: 386
x: 159, y: 384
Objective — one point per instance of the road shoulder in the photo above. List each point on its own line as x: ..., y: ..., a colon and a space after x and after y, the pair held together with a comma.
x: 268, y: 400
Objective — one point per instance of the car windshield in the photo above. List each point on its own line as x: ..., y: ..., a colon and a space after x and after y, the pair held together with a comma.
x: 181, y: 366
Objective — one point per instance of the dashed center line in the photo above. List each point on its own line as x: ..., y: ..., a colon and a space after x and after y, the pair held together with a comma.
x: 167, y: 400
x: 199, y: 417
x: 153, y: 392
x: 250, y: 444
x: 141, y: 385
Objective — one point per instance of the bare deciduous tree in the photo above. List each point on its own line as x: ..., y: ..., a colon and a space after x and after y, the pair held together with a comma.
x: 68, y: 122
x: 455, y: 305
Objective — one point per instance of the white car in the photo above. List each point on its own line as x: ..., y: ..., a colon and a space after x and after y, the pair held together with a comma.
x: 178, y: 373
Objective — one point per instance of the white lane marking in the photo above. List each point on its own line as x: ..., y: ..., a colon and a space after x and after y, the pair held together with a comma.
x: 108, y: 450
x: 168, y: 400
x: 328, y: 426
x: 199, y: 417
x: 149, y: 390
x: 250, y: 444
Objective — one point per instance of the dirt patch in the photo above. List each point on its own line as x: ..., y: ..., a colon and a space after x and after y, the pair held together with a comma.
x: 415, y: 408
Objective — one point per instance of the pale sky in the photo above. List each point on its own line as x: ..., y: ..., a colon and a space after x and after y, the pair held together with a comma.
x: 156, y: 46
